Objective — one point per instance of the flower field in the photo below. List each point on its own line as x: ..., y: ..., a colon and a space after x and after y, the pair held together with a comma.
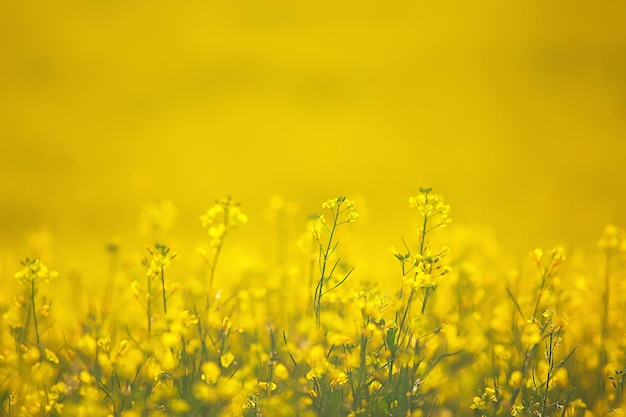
x: 312, y: 209
x: 199, y: 334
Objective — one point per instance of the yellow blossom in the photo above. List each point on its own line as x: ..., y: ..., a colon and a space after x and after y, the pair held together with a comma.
x: 227, y: 359
x: 315, y: 373
x: 171, y: 340
x: 431, y: 205
x: 157, y: 218
x: 179, y: 406
x: 210, y: 372
x: 536, y: 256
x: 340, y: 379
x: 51, y: 356
x: 34, y: 271
x: 281, y: 372
x: 515, y: 380
x: 613, y: 239
x: 265, y: 386
x: 224, y: 216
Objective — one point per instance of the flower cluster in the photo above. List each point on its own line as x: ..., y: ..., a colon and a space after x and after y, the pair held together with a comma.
x: 224, y: 216
x: 160, y: 259
x: 34, y: 272
x: 453, y: 332
x: 343, y: 208
x: 613, y: 239
x: 431, y: 206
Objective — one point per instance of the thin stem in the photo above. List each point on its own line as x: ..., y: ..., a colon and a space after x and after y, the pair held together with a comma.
x: 605, y: 321
x: 423, y: 234
x: 270, y: 365
x: 149, y: 307
x: 325, y: 254
x: 164, y: 297
x: 32, y: 301
x: 412, y: 293
x: 550, y: 369
x: 163, y: 290
x: 544, y: 277
x: 218, y: 250
x: 108, y: 294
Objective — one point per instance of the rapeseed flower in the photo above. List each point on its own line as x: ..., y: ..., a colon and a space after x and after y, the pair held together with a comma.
x: 453, y: 329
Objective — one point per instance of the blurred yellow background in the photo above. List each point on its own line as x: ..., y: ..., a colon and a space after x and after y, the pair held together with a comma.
x: 515, y: 112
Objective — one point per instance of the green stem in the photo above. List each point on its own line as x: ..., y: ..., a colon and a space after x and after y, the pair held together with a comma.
x: 214, y: 263
x: 544, y: 277
x: 163, y: 290
x: 149, y: 307
x: 412, y: 293
x: 550, y: 369
x: 605, y: 322
x: 320, y: 284
x: 219, y: 246
x: 32, y: 301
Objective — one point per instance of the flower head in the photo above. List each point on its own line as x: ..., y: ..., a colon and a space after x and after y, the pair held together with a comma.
x: 34, y: 271
x: 431, y: 205
x: 224, y: 216
x: 342, y: 208
x: 613, y: 239
x: 161, y: 258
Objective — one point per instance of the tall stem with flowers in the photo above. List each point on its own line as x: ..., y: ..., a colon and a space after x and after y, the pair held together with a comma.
x: 421, y: 271
x: 342, y: 211
x: 219, y: 221
x: 33, y: 273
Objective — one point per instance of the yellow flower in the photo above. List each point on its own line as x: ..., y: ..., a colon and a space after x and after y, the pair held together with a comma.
x: 330, y: 204
x: 478, y: 403
x: 157, y: 218
x: 517, y: 410
x: 179, y: 406
x: 281, y: 372
x: 375, y: 386
x: 531, y: 335
x: 577, y: 403
x: 227, y: 359
x: 536, y: 256
x: 171, y: 340
x: 31, y: 356
x: 85, y: 377
x: 549, y: 313
x: 613, y: 239
x: 344, y: 206
x: 431, y: 205
x: 340, y: 379
x: 161, y: 258
x: 217, y: 231
x: 558, y: 255
x: 515, y: 380
x: 51, y: 356
x: 315, y: 373
x: 210, y: 372
x: 224, y: 216
x: 265, y: 386
x: 168, y: 361
x: 34, y: 271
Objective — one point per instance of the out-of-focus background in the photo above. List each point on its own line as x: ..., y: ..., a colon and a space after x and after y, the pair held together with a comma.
x: 516, y: 113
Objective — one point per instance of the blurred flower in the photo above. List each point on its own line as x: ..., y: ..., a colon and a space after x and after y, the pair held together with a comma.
x: 157, y: 218
x: 34, y: 271
x: 613, y: 239
x: 224, y: 216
